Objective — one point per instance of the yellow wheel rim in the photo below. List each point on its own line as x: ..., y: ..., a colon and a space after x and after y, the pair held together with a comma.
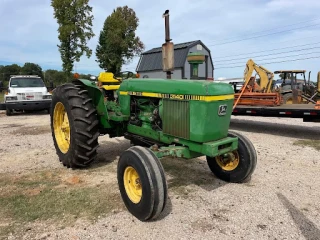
x: 61, y: 127
x: 289, y: 101
x: 229, y: 161
x: 132, y: 184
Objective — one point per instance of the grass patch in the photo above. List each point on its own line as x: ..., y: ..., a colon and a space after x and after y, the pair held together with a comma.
x: 1, y: 97
x: 57, y: 204
x: 5, y: 230
x: 52, y: 196
x: 308, y: 143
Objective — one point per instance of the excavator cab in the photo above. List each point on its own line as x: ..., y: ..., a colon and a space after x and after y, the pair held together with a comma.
x: 295, y: 88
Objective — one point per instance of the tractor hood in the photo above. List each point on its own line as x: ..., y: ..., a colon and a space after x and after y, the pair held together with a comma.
x: 173, y: 86
x: 213, y: 101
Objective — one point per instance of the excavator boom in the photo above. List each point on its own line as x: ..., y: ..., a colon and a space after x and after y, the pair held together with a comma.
x: 257, y: 94
x: 266, y: 77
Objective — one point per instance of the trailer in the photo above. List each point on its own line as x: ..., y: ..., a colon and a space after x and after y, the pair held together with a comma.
x: 307, y: 112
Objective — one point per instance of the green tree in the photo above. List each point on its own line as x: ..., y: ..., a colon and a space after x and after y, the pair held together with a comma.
x: 85, y: 76
x: 2, y: 73
x: 32, y: 69
x: 75, y: 22
x: 13, y: 69
x: 118, y: 43
x: 56, y: 77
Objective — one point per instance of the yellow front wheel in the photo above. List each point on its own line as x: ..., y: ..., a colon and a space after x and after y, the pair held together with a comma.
x: 142, y: 183
x: 287, y: 98
x: 236, y: 166
x: 132, y: 184
x: 228, y: 161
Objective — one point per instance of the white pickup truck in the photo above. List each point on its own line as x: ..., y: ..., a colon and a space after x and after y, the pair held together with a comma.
x: 27, y: 92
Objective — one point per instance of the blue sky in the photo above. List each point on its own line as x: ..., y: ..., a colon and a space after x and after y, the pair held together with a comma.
x: 29, y: 31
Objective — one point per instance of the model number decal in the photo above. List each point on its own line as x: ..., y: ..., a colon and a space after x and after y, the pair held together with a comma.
x: 179, y: 96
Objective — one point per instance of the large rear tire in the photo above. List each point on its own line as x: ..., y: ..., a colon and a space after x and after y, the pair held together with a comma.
x: 142, y: 183
x: 239, y: 165
x: 74, y: 126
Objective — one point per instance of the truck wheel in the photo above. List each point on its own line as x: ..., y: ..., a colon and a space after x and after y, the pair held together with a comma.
x: 74, y: 126
x: 8, y: 112
x: 237, y: 166
x: 142, y: 183
x: 287, y: 98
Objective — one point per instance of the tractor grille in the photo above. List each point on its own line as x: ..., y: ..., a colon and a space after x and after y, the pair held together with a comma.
x: 176, y: 118
x: 30, y: 96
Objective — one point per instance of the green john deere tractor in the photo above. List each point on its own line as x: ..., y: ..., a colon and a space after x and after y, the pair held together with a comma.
x: 161, y: 117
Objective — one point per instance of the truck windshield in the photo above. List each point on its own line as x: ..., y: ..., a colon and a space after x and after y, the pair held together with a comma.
x: 26, y: 82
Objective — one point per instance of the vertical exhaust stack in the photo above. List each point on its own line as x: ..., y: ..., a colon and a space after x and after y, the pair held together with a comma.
x: 167, y: 48
x: 318, y: 82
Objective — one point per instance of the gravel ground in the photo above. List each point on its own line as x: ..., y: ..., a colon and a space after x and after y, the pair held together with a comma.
x: 280, y: 202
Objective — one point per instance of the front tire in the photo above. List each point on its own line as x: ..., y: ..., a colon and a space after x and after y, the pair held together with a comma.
x: 240, y: 167
x: 9, y: 112
x: 74, y: 126
x: 142, y: 183
x: 287, y: 98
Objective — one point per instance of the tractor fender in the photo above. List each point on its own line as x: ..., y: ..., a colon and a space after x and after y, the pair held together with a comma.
x: 98, y: 100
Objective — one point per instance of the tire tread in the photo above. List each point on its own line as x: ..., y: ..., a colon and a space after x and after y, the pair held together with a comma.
x: 84, y: 143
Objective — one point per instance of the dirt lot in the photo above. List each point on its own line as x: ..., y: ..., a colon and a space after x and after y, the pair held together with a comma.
x: 40, y: 199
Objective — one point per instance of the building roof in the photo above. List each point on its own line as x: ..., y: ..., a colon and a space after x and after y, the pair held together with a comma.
x: 176, y: 46
x: 152, y: 59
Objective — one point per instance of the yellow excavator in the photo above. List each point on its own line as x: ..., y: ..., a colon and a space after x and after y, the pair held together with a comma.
x: 264, y: 83
x: 257, y: 92
x: 262, y: 92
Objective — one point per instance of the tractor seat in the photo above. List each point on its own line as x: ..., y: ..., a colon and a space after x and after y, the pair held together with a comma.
x: 110, y: 87
x: 107, y: 77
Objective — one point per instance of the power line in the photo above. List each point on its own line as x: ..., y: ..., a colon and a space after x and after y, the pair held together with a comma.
x: 295, y: 55
x: 297, y: 50
x: 264, y: 35
x: 271, y: 29
x: 241, y: 54
x: 293, y: 60
x: 269, y: 41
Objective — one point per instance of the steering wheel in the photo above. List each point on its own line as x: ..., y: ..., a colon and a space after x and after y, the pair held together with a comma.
x: 129, y: 74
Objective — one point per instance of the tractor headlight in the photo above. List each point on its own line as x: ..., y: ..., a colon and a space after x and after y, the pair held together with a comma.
x: 11, y: 98
x: 46, y: 96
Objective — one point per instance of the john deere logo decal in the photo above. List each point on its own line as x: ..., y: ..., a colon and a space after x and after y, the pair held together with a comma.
x: 222, y: 110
